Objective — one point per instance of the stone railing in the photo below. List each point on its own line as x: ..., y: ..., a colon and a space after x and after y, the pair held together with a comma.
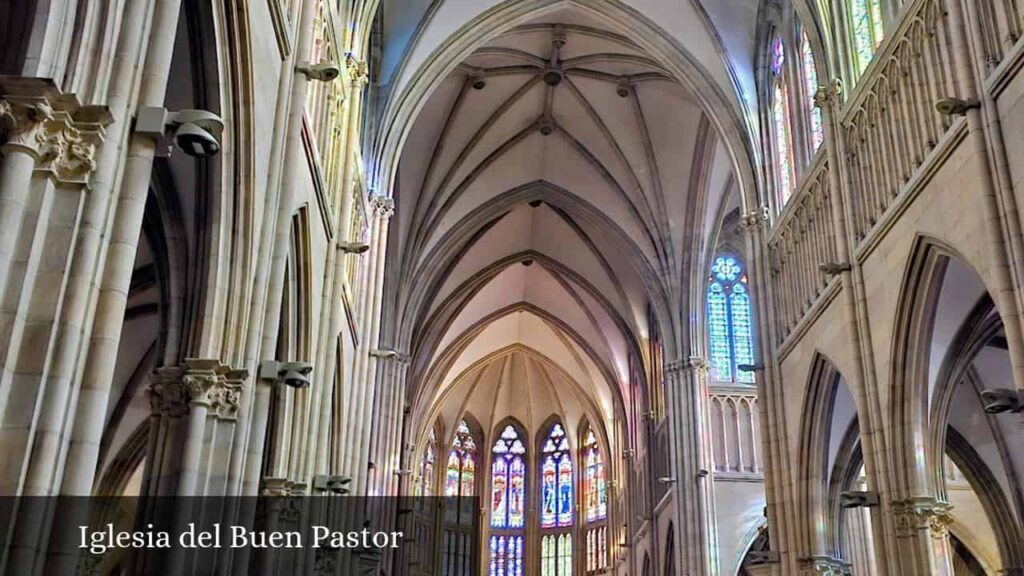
x: 734, y: 428
x: 890, y: 124
x: 801, y: 240
x: 1001, y: 22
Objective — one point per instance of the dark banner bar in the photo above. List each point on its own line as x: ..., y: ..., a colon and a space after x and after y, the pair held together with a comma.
x: 286, y: 535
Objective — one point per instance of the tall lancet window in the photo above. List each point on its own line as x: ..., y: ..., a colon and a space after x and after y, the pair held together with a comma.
x: 595, y: 503
x: 508, y: 503
x: 781, y: 122
x: 811, y: 86
x: 426, y: 486
x: 556, y: 503
x: 459, y: 486
x: 730, y: 323
x: 865, y: 29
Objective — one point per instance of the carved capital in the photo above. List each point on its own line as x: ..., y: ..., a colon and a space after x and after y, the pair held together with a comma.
x: 358, y: 71
x: 383, y: 207
x: 828, y: 94
x: 24, y: 121
x: 200, y: 382
x: 920, y: 513
x: 754, y: 219
x: 168, y: 395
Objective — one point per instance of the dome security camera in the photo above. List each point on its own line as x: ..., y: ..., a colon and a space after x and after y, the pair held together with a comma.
x: 1001, y: 400
x: 858, y: 499
x: 196, y: 142
x: 296, y: 374
x: 195, y: 132
x: 323, y: 72
x: 955, y: 106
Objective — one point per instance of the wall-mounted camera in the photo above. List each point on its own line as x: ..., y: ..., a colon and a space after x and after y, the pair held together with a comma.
x: 194, y: 132
x: 858, y: 499
x: 294, y: 374
x: 1002, y: 400
x: 332, y: 484
x: 323, y: 72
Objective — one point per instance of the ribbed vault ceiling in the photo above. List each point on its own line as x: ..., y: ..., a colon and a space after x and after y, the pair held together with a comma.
x: 559, y: 174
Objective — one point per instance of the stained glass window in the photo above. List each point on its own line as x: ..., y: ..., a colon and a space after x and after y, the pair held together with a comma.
x: 508, y: 480
x: 506, y: 556
x: 426, y: 486
x: 595, y: 495
x: 811, y: 85
x: 781, y: 122
x: 556, y: 555
x: 597, y: 549
x: 866, y: 25
x: 556, y: 479
x: 460, y: 473
x: 730, y: 325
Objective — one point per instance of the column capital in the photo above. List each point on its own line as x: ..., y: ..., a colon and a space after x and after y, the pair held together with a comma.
x: 23, y: 119
x: 922, y: 513
x: 198, y: 382
x: 754, y: 219
x: 358, y: 70
x: 383, y: 207
x: 693, y: 363
x: 67, y: 148
x: 829, y: 93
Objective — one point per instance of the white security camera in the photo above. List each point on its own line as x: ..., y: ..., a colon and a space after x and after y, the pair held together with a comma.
x: 1001, y: 400
x: 195, y: 132
x: 333, y: 484
x: 763, y: 557
x: 667, y: 480
x: 858, y: 499
x: 353, y: 247
x: 324, y: 71
x: 383, y: 353
x: 296, y: 374
x: 955, y: 106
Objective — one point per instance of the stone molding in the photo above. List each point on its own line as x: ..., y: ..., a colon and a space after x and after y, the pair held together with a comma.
x: 198, y: 382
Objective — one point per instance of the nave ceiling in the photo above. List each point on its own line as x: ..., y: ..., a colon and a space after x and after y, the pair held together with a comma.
x: 559, y: 179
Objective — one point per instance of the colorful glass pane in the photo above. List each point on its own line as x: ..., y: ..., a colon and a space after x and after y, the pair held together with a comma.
x: 426, y: 487
x: 595, y: 497
x: 556, y: 479
x: 508, y: 480
x: 811, y: 84
x: 730, y: 321
x: 777, y: 57
x: 718, y: 328
x: 866, y: 21
x: 565, y: 555
x: 783, y: 146
x: 506, y: 556
x: 460, y: 475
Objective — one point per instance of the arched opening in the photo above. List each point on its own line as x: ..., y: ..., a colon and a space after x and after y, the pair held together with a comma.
x: 957, y: 349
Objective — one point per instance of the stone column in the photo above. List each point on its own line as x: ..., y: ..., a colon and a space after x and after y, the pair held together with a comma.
x: 98, y: 374
x: 23, y: 117
x: 687, y: 390
x: 864, y: 384
x: 365, y: 371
